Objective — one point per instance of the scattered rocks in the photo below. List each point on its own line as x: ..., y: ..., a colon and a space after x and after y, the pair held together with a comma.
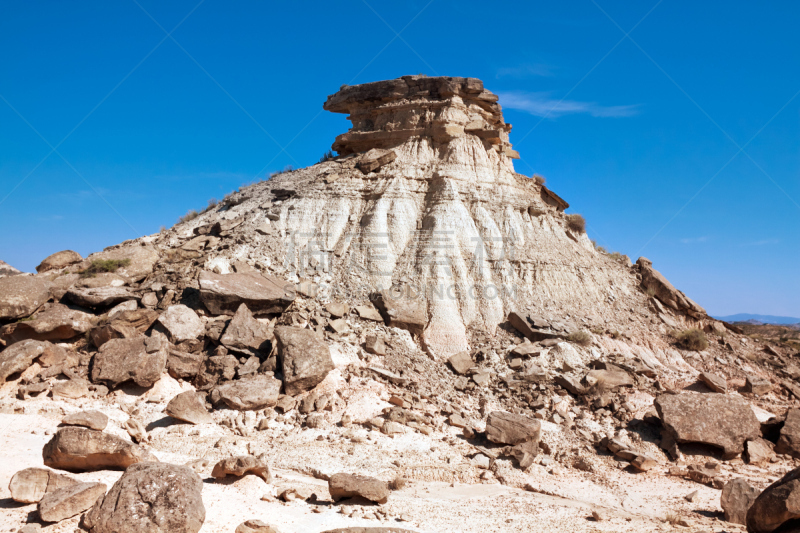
x: 152, y: 497
x: 189, y: 407
x: 306, y: 360
x: 69, y: 501
x: 241, y: 465
x: 343, y: 486
x: 721, y: 420
x: 80, y: 449
x: 88, y: 419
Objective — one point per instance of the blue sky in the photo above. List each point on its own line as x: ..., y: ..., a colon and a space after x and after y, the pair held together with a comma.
x: 679, y: 141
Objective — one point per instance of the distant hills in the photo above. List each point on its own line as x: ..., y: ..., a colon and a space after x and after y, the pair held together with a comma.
x: 760, y: 319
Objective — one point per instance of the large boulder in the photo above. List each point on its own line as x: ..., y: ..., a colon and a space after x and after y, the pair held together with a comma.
x: 789, y: 440
x: 18, y: 357
x: 139, y: 260
x: 736, y: 498
x: 343, y: 486
x: 58, y: 322
x: 306, y: 359
x: 252, y: 392
x: 721, y: 420
x: 403, y: 309
x: 654, y: 281
x: 20, y: 296
x: 140, y: 359
x: 97, y: 297
x: 59, y: 260
x: 509, y: 428
x: 778, y: 505
x: 69, y: 501
x: 181, y: 323
x: 84, y: 450
x: 152, y: 498
x: 31, y: 484
x: 222, y: 294
x: 189, y: 407
x: 245, y: 334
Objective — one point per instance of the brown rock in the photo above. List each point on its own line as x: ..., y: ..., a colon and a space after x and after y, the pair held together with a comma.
x: 608, y: 379
x: 140, y: 359
x: 69, y: 501
x: 18, y: 357
x: 508, y: 428
x: 184, y: 365
x: 58, y: 322
x: 99, y: 296
x: 776, y: 505
x: 653, y: 280
x: 368, y: 312
x: 305, y: 358
x: 720, y: 420
x: 241, y: 465
x: 251, y: 392
x: 152, y: 498
x: 79, y: 449
x: 337, y: 310
x: 141, y: 260
x: 88, y: 419
x: 758, y: 452
x: 31, y: 484
x: 222, y: 294
x: 375, y: 159
x: 247, y: 335
x: 189, y: 407
x: 403, y: 309
x: 71, y: 388
x: 256, y: 526
x: 757, y: 385
x: 123, y: 325
x: 59, y: 260
x: 215, y: 368
x: 461, y: 362
x: 736, y: 498
x: 714, y: 382
x: 375, y: 345
x: 349, y: 485
x: 789, y: 441
x: 181, y: 323
x: 20, y: 296
x: 644, y: 462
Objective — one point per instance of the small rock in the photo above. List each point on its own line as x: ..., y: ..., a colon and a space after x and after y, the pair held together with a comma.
x: 31, y: 484
x: 88, y: 419
x: 256, y: 526
x: 189, y: 407
x: 241, y: 465
x: 348, y: 485
x: 69, y: 501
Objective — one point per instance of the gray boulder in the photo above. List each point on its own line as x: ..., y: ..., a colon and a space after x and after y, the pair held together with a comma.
x: 721, y: 420
x: 95, y: 297
x: 509, y: 428
x: 306, y: 359
x: 222, y: 294
x: 152, y: 498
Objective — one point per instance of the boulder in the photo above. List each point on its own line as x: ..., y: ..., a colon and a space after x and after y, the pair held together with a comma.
x: 152, y: 498
x: 69, y: 501
x: 140, y: 260
x: 757, y: 385
x: 654, y: 281
x: 721, y: 420
x: 20, y: 296
x: 256, y: 526
x: 140, y: 359
x: 349, y: 485
x: 461, y: 362
x: 58, y: 322
x: 509, y: 428
x: 184, y: 365
x: 59, y: 260
x: 789, y: 440
x: 181, y: 323
x: 736, y: 498
x: 714, y: 382
x: 18, y: 357
x: 189, y: 407
x: 375, y: 159
x: 80, y: 449
x: 215, y: 368
x: 241, y: 465
x: 222, y: 294
x: 245, y: 334
x: 99, y: 296
x: 31, y: 484
x: 758, y: 452
x: 778, y: 505
x: 124, y: 324
x: 252, y: 392
x: 88, y: 419
x: 403, y: 309
x: 305, y: 358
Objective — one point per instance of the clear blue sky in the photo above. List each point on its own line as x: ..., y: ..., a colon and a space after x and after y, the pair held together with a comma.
x: 641, y: 134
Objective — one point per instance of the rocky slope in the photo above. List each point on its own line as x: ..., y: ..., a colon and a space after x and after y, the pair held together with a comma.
x: 409, y: 334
